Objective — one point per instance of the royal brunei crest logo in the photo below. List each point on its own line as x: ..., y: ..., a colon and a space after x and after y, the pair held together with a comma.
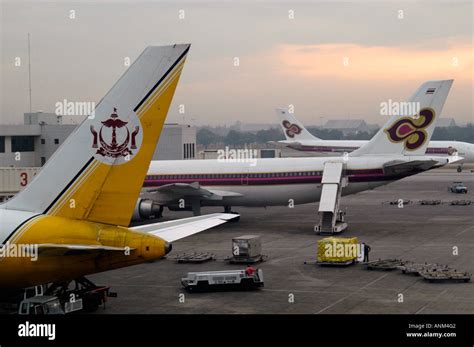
x: 291, y: 128
x: 411, y: 131
x: 115, y: 140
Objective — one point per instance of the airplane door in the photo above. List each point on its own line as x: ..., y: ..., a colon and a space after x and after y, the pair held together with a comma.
x: 245, y: 178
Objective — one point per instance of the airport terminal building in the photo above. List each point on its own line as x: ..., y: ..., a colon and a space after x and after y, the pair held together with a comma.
x: 24, y: 148
x: 32, y: 143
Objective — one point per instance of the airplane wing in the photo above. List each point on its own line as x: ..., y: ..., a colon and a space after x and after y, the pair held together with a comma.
x: 178, y: 229
x: 175, y: 191
x: 398, y: 167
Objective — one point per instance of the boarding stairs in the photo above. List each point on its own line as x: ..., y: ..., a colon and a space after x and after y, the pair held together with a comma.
x: 331, y: 218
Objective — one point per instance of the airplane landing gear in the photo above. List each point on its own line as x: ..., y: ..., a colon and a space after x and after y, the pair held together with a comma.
x: 160, y: 212
x: 459, y: 169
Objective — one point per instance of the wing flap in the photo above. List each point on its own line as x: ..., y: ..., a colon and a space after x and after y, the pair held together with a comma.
x: 177, y: 229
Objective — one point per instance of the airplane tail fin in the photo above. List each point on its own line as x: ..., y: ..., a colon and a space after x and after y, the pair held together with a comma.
x: 292, y: 128
x: 98, y: 172
x: 409, y: 134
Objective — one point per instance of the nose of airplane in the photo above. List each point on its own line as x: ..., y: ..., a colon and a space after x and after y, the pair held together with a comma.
x: 168, y: 247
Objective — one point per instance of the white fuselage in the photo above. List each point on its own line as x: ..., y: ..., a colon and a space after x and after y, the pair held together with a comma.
x: 334, y: 147
x: 272, y: 182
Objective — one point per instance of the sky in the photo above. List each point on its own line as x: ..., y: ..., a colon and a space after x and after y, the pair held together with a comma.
x: 333, y: 59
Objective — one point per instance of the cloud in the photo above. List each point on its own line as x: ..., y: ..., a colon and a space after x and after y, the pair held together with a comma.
x: 352, y: 61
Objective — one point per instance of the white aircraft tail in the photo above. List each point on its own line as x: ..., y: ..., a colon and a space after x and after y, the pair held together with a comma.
x: 292, y: 128
x: 98, y: 172
x: 410, y: 134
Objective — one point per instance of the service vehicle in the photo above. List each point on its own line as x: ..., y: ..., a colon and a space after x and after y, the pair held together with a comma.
x: 223, y: 280
x: 56, y: 300
x: 458, y: 188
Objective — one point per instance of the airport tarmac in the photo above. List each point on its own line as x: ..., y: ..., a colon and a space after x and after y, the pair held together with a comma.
x: 415, y: 232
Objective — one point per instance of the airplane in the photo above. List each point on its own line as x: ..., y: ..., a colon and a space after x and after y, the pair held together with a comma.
x: 389, y: 156
x: 300, y: 139
x: 74, y: 216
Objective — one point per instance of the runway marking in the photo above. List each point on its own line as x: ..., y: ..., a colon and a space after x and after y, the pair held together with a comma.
x: 437, y: 297
x: 347, y: 296
x: 472, y: 226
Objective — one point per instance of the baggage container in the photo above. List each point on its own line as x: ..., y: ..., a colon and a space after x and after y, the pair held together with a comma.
x: 337, y: 250
x: 247, y: 246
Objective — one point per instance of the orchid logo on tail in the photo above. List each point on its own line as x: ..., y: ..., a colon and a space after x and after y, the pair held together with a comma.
x: 411, y: 131
x: 291, y: 129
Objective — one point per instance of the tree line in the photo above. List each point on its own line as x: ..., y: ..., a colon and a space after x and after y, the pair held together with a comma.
x: 206, y: 137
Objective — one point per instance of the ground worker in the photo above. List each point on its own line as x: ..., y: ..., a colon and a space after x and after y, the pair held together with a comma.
x: 250, y: 271
x: 366, y: 252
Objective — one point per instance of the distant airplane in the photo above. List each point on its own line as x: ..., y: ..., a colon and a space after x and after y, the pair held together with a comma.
x: 398, y: 150
x: 74, y: 216
x: 300, y: 139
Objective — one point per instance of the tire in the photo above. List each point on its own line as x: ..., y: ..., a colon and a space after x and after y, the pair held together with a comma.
x: 202, y: 285
x: 247, y: 283
x: 92, y: 302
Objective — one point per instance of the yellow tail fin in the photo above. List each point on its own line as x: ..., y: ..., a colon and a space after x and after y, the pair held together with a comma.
x: 97, y: 174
